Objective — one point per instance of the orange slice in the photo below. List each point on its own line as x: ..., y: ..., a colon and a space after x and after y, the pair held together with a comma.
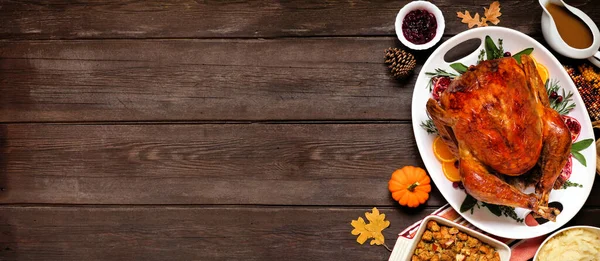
x: 542, y: 70
x: 450, y: 171
x: 441, y: 151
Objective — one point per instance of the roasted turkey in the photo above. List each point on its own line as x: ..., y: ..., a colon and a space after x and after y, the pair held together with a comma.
x: 496, y: 119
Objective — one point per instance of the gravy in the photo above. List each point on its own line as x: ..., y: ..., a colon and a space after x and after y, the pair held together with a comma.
x: 571, y: 29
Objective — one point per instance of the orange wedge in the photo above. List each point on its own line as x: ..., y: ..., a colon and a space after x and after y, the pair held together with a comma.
x: 542, y: 70
x: 441, y: 151
x: 450, y: 171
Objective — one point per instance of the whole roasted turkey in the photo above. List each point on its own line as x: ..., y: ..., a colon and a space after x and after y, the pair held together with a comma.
x: 496, y: 119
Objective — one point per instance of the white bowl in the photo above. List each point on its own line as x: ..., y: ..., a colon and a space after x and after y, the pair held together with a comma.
x: 560, y: 231
x: 420, y: 5
x: 404, y: 248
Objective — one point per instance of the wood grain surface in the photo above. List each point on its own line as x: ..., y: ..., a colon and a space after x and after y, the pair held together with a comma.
x: 281, y: 164
x: 209, y: 130
x: 150, y: 80
x: 63, y: 19
x: 196, y: 233
x: 267, y: 164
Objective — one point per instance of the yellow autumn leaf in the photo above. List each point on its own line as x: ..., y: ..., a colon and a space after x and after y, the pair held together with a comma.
x: 378, y: 239
x: 364, y: 231
x: 493, y: 13
x: 377, y: 223
x: 360, y: 230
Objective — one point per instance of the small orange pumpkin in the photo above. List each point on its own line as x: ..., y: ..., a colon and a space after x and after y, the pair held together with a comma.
x: 410, y: 186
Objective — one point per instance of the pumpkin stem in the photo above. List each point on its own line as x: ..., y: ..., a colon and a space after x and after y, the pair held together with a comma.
x: 412, y: 187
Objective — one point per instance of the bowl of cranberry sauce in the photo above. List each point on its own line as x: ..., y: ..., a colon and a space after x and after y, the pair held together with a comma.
x: 420, y: 25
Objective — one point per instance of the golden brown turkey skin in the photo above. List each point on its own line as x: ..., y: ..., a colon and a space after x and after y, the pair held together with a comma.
x: 496, y: 119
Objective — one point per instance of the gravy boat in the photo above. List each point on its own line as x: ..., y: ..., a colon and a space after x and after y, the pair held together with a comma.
x: 555, y: 41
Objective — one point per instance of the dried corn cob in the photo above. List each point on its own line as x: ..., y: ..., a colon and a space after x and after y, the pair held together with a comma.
x: 587, y: 81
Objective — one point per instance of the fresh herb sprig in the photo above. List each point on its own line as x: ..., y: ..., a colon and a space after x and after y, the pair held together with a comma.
x: 481, y: 56
x: 429, y: 126
x: 563, y: 105
x: 571, y: 184
x: 438, y: 73
x: 491, y: 50
x: 470, y: 203
x: 579, y: 146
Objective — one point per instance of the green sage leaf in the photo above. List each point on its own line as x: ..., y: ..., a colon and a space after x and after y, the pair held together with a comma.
x: 459, y: 67
x: 491, y: 49
x: 581, y: 145
x: 468, y: 203
x: 527, y: 51
x: 579, y: 157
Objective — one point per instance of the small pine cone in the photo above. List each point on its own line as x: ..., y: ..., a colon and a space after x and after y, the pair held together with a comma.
x: 400, y: 62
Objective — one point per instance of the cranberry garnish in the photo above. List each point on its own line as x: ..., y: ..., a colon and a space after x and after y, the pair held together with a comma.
x: 419, y: 26
x: 559, y: 99
x: 507, y: 54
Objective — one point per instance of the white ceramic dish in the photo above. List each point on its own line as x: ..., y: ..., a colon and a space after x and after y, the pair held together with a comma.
x: 572, y: 198
x: 554, y: 39
x: 420, y: 5
x: 560, y: 231
x: 404, y: 247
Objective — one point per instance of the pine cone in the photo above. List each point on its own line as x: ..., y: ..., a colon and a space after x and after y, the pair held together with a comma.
x: 400, y: 62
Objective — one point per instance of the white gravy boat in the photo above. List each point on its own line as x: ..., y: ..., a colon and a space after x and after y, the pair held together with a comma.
x: 558, y: 44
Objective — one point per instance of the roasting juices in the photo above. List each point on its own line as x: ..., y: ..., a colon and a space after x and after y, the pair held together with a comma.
x: 571, y: 29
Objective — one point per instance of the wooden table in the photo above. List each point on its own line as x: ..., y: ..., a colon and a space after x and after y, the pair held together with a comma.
x: 209, y: 130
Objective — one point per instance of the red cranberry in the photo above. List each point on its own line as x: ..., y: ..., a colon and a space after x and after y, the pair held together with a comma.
x: 507, y: 54
x: 419, y: 26
x: 559, y: 99
x: 458, y: 184
x: 553, y: 95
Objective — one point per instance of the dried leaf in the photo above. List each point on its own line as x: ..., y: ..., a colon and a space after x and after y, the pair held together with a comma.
x: 377, y: 223
x: 467, y: 19
x: 360, y: 230
x: 490, y: 14
x: 493, y: 12
x: 483, y: 22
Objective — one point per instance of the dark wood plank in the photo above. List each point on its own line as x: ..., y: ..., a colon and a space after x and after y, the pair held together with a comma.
x: 125, y: 80
x: 197, y: 233
x: 62, y: 19
x: 188, y: 233
x: 291, y: 164
x: 281, y: 164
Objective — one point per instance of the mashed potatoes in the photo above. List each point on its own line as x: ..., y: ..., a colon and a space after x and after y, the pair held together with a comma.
x: 577, y: 244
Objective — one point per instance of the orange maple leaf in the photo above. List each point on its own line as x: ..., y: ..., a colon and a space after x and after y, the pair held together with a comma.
x: 493, y: 12
x: 471, y: 21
